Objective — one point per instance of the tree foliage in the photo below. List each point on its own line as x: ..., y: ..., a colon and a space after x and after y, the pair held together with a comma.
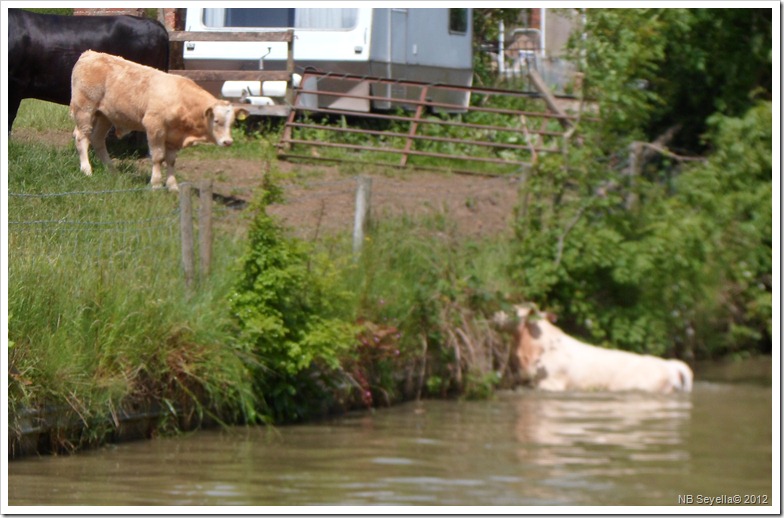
x: 486, y: 22
x: 655, y: 67
x: 645, y: 250
x: 731, y: 194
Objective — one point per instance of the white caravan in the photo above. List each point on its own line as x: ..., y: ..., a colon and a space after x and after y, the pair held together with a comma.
x: 427, y: 45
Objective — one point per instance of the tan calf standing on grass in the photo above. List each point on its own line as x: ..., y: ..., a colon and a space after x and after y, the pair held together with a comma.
x: 172, y: 110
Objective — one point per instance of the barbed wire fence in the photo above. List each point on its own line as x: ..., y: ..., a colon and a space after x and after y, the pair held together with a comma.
x: 80, y: 226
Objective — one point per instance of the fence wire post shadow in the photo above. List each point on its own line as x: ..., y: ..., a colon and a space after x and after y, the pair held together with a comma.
x: 361, y: 213
x: 186, y: 234
x: 205, y: 228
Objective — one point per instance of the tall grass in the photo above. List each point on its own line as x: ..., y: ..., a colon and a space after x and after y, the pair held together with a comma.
x: 425, y: 294
x: 100, y: 321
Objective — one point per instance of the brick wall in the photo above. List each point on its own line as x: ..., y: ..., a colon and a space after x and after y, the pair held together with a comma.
x: 108, y: 11
x: 172, y: 18
x: 536, y: 19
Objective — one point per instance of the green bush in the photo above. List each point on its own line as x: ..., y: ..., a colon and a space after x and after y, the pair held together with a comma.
x: 660, y: 255
x: 291, y: 319
x: 731, y: 196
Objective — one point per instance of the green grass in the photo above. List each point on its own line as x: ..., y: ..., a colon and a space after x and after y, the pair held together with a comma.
x: 438, y: 289
x: 250, y: 143
x: 253, y: 140
x: 43, y: 116
x: 100, y: 318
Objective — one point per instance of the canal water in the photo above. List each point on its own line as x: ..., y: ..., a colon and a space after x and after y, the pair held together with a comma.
x: 520, y: 448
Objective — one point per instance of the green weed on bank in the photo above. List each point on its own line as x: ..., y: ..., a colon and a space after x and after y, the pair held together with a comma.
x: 405, y: 318
x: 283, y: 329
x: 437, y: 289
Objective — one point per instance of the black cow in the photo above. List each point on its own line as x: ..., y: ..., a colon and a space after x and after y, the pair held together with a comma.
x: 43, y: 48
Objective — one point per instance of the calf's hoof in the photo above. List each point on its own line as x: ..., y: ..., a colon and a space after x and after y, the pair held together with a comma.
x: 171, y: 184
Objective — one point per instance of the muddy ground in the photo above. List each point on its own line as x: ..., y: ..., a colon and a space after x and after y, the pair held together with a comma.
x: 321, y: 197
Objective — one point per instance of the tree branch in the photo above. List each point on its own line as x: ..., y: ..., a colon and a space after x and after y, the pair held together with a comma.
x: 666, y: 152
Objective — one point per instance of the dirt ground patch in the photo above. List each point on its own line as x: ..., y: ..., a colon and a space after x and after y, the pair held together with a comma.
x: 321, y: 198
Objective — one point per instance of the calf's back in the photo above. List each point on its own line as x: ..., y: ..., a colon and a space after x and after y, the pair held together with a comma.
x: 127, y: 93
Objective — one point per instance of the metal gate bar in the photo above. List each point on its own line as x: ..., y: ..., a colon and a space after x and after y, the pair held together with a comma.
x: 399, y: 118
x: 433, y: 104
x: 520, y: 145
x: 414, y: 126
x: 482, y: 90
x: 411, y: 152
x: 392, y: 134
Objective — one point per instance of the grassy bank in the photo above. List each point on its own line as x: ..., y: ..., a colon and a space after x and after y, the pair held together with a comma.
x: 286, y: 329
x: 406, y: 318
x: 101, y: 325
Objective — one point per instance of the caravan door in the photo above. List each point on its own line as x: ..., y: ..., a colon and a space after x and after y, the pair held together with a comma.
x: 398, y: 31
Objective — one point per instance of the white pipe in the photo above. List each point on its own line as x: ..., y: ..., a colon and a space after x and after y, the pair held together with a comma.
x: 254, y: 88
x: 250, y: 88
x: 543, y: 23
x: 260, y: 101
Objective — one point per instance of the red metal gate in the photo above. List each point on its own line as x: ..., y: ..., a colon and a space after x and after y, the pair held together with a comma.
x: 417, y: 131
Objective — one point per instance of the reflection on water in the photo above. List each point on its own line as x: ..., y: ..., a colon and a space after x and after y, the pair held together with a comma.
x: 586, y: 441
x: 522, y: 448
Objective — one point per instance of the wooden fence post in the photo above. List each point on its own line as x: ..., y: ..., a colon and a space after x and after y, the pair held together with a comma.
x: 549, y: 99
x: 362, y: 212
x: 205, y: 228
x: 186, y: 233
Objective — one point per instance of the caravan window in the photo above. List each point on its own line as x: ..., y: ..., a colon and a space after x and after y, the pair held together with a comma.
x: 337, y: 18
x: 319, y: 18
x: 458, y: 20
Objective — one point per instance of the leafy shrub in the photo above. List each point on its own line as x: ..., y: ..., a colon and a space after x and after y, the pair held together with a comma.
x: 731, y: 196
x: 291, y: 319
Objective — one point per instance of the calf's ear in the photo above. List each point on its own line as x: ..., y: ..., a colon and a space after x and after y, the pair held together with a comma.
x: 208, y: 113
x: 240, y: 113
x: 504, y: 321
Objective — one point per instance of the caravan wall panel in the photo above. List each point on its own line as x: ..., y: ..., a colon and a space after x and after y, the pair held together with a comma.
x: 396, y: 43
